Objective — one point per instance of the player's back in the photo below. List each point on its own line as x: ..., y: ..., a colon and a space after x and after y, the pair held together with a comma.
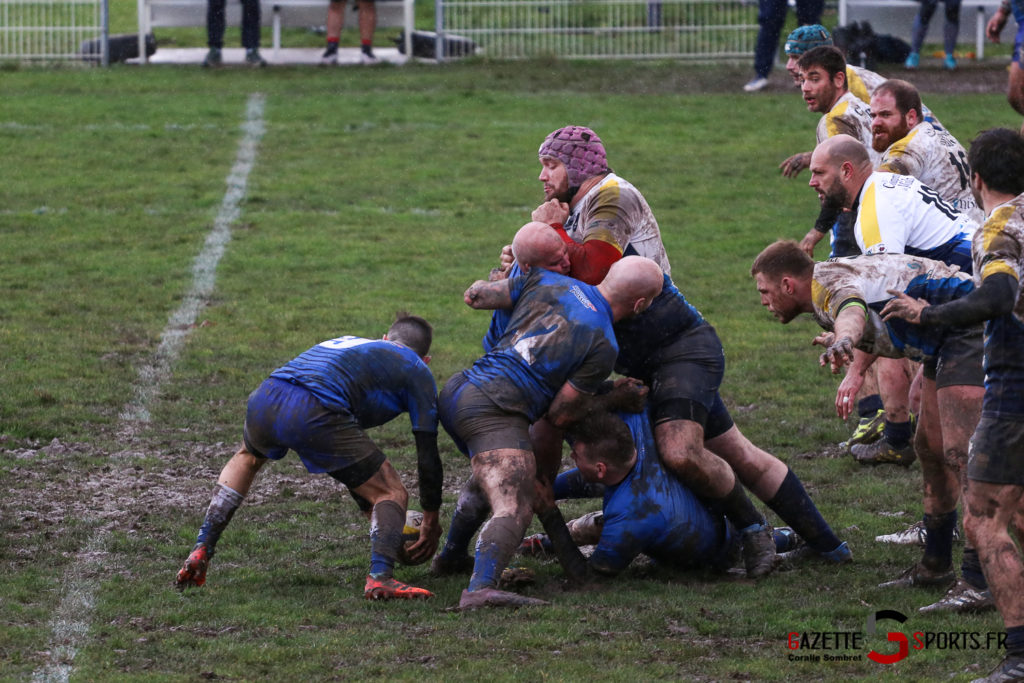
x: 374, y: 379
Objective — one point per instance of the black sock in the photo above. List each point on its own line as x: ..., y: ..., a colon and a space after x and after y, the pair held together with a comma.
x: 898, y: 434
x: 794, y: 507
x: 869, y: 406
x: 970, y: 568
x: 738, y: 508
x: 938, y: 544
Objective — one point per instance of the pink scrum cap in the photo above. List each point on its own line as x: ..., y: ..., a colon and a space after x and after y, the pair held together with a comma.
x: 579, y: 149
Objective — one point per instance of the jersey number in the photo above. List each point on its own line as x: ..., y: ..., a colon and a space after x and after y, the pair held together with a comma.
x: 959, y: 162
x: 930, y: 196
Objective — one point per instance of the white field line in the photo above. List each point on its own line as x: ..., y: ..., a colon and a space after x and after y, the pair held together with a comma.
x: 70, y: 623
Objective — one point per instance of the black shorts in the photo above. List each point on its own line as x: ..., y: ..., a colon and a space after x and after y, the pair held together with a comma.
x: 475, y: 423
x: 684, y: 378
x: 281, y: 416
x: 996, y: 453
x: 959, y: 360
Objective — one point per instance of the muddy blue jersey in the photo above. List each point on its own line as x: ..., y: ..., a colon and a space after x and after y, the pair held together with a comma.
x: 374, y: 380
x: 669, y: 316
x: 560, y: 330
x: 654, y: 513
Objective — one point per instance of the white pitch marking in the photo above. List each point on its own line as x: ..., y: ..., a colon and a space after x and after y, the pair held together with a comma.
x: 70, y: 623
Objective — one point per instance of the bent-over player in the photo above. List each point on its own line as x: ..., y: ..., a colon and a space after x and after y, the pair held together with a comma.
x: 319, y: 405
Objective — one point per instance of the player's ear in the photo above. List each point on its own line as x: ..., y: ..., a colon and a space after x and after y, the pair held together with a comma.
x: 602, y: 469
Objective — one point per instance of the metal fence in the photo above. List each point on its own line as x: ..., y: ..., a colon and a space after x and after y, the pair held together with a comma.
x: 595, y: 29
x: 53, y: 30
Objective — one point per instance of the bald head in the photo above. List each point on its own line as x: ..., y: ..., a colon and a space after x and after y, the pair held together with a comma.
x: 631, y: 284
x: 843, y: 148
x: 538, y: 245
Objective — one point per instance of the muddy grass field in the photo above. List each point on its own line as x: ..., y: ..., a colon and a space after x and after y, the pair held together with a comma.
x: 371, y: 191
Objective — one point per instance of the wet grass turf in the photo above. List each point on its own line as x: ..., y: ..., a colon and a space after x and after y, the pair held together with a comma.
x: 373, y: 191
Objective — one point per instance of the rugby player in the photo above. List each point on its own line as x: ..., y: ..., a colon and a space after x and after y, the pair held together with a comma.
x: 319, y: 405
x: 995, y: 470
x: 846, y: 297
x: 888, y: 214
x: 558, y: 348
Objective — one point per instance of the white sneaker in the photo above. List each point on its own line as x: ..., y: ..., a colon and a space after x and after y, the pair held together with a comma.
x: 757, y: 84
x: 329, y: 57
x: 915, y: 534
x: 367, y: 60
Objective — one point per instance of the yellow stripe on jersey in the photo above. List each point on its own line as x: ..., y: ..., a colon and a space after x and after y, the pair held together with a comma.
x: 895, y: 151
x: 830, y: 118
x: 820, y: 296
x: 608, y: 201
x: 856, y: 85
x: 993, y: 229
x: 870, y: 231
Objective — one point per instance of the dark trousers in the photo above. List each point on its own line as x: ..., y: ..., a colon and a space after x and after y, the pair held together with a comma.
x: 215, y: 23
x: 771, y: 16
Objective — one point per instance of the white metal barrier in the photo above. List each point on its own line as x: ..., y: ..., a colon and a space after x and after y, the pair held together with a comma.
x: 51, y: 30
x: 688, y: 29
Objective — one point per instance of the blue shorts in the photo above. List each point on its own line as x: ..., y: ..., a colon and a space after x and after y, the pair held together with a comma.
x: 996, y: 453
x: 475, y: 423
x: 281, y: 416
x: 959, y: 359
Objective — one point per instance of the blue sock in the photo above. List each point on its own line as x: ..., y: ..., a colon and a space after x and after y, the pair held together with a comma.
x: 794, y: 507
x: 498, y: 542
x: 898, y: 434
x: 1015, y: 640
x: 222, y: 508
x: 386, y: 525
x: 970, y: 568
x: 870, y: 405
x: 471, y: 512
x: 938, y: 545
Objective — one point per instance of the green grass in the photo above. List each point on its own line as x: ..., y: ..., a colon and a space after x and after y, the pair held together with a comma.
x: 373, y: 191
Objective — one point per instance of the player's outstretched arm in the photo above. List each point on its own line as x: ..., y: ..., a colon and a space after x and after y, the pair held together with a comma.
x: 431, y: 476
x: 792, y: 166
x: 484, y: 295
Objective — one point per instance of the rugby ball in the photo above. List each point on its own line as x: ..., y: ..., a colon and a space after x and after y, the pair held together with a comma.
x: 410, y: 534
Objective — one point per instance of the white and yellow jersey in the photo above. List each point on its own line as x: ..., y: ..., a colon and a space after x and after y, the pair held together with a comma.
x: 615, y: 212
x: 936, y: 159
x: 863, y: 83
x: 898, y: 214
x: 848, y: 116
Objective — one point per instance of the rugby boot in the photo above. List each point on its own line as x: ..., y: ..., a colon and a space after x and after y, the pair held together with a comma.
x: 193, y: 572
x: 841, y: 554
x: 450, y: 565
x: 492, y: 597
x: 882, y: 452
x: 1010, y: 670
x: 759, y: 556
x: 537, y: 545
x: 869, y: 429
x: 920, y: 576
x: 962, y: 598
x: 915, y: 534
x: 392, y: 589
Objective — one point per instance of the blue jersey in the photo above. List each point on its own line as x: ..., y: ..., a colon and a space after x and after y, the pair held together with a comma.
x: 653, y: 512
x: 500, y: 317
x: 374, y: 380
x: 868, y: 279
x: 560, y: 330
x: 639, y: 337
